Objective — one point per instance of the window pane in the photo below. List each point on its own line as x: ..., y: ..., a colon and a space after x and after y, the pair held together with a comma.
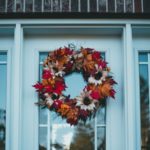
x: 102, y: 5
x: 145, y: 111
x: 129, y: 6
x: 63, y: 136
x: 74, y: 89
x: 43, y: 116
x: 43, y: 138
x: 3, y: 87
x: 43, y: 56
x: 143, y: 57
x: 120, y: 5
x: 111, y: 5
x: 101, y: 139
x: 3, y: 56
x: 101, y: 114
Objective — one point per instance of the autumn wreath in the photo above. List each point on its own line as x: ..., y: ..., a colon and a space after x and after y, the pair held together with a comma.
x: 64, y: 61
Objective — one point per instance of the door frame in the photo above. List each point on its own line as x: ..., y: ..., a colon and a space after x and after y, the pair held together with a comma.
x: 129, y: 81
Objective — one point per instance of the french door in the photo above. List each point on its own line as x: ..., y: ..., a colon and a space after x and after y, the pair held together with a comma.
x: 44, y: 130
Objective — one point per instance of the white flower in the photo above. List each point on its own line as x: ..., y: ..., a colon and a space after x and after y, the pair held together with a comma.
x: 49, y: 101
x: 94, y: 81
x: 85, y: 102
x: 60, y: 73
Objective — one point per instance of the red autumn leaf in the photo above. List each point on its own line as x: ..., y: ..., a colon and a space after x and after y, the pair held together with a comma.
x: 39, y: 87
x: 48, y: 89
x: 46, y: 74
x: 112, y: 93
x: 59, y: 87
x: 57, y: 104
x: 96, y: 55
x: 95, y: 95
x: 102, y: 63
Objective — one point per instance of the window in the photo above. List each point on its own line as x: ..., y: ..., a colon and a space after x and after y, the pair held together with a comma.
x: 144, y: 71
x: 55, y: 134
x: 3, y: 83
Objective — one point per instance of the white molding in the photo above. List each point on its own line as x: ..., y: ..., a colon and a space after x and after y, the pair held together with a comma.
x: 75, y: 21
x: 16, y: 89
x: 129, y: 95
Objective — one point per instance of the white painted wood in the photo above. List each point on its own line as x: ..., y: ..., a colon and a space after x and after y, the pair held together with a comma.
x: 16, y: 90
x: 129, y: 90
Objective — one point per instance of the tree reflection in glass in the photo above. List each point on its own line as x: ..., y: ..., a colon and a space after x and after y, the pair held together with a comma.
x: 144, y: 98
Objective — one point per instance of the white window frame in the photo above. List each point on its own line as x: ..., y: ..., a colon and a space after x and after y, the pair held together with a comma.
x: 8, y: 98
x: 108, y: 111
x: 138, y: 102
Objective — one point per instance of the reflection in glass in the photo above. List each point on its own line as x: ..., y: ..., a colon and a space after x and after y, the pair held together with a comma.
x: 143, y: 57
x: 43, y: 115
x: 101, y: 114
x: 3, y: 56
x: 101, y: 140
x: 3, y: 83
x: 66, y: 137
x: 43, y: 138
x: 145, y: 112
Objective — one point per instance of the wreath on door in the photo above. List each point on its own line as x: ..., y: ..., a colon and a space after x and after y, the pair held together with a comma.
x: 96, y: 73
